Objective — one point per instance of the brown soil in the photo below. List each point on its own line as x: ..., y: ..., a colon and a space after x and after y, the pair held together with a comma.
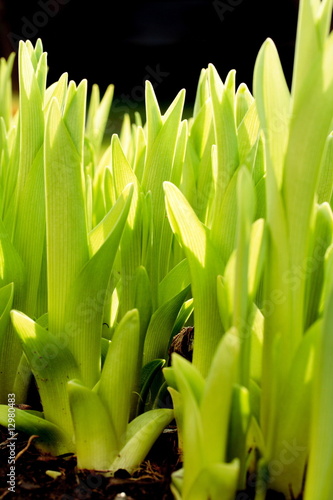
x: 151, y: 481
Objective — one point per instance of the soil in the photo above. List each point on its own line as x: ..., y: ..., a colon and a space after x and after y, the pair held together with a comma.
x: 151, y: 481
x: 182, y: 343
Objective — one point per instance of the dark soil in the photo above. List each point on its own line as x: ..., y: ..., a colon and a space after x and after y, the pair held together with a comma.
x: 33, y: 469
x: 151, y: 481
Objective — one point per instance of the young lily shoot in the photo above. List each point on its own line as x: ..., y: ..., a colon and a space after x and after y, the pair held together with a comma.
x: 176, y: 276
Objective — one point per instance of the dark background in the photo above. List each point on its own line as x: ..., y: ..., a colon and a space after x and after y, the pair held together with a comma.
x: 168, y: 42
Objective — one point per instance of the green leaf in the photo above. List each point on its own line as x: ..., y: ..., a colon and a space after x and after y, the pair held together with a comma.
x: 160, y: 148
x: 26, y: 190
x: 153, y: 113
x: 225, y: 127
x: 177, y: 404
x: 174, y: 282
x: 240, y: 418
x: 202, y: 93
x: 148, y: 373
x: 257, y: 256
x: 204, y: 265
x: 143, y: 302
x: 51, y: 439
x: 158, y: 168
x: 215, y: 481
x: 257, y: 335
x: 67, y: 243
x: 7, y: 342
x: 314, y: 268
x: 183, y: 369
x: 30, y: 245
x: 6, y: 67
x: 280, y: 339
x: 130, y: 248
x: 6, y: 300
x: 118, y: 378
x: 58, y: 90
x: 32, y: 77
x: 325, y: 183
x: 198, y: 153
x: 226, y: 219
x: 244, y: 101
x: 158, y: 336
x: 52, y: 364
x: 99, y: 234
x: 248, y: 133
x: 226, y: 143
x: 141, y: 434
x: 246, y: 211
x: 273, y: 104
x: 97, y: 117
x: 312, y: 30
x: 96, y: 443
x: 224, y: 299
x: 217, y: 396
x: 12, y: 270
x: 140, y: 151
x: 194, y: 450
x: 88, y: 295
x: 319, y: 479
x: 311, y: 106
x: 184, y: 314
x: 291, y: 437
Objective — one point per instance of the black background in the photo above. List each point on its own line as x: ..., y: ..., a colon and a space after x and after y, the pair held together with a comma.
x: 167, y: 41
